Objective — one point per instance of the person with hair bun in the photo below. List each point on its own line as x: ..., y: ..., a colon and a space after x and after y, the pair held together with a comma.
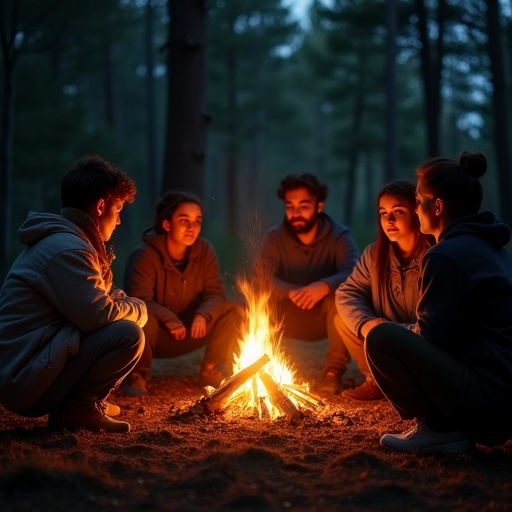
x: 176, y: 273
x: 452, y: 374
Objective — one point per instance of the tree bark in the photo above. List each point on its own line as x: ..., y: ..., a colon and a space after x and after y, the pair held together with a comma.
x: 500, y: 103
x: 186, y: 109
x: 431, y: 68
x: 392, y: 158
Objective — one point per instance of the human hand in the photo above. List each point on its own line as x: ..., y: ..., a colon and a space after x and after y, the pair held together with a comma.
x: 179, y: 333
x: 118, y: 294
x: 198, y: 327
x: 307, y: 296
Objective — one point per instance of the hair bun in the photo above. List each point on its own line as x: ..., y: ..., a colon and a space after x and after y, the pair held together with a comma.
x: 474, y: 164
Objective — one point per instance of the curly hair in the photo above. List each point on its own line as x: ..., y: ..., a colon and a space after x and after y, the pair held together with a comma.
x: 93, y: 178
x: 307, y: 181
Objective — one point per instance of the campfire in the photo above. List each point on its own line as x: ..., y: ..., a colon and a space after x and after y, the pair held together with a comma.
x: 263, y: 381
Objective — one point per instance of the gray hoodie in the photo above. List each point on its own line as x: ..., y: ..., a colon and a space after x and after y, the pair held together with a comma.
x: 52, y: 294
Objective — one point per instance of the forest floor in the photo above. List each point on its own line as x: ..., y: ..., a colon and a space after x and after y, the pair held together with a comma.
x: 176, y: 458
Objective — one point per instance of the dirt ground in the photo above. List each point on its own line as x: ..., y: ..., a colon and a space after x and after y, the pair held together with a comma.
x: 176, y: 458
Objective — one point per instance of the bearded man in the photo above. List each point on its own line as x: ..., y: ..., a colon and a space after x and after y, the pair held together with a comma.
x: 306, y: 257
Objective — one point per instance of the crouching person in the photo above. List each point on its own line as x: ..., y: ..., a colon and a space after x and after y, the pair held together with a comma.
x: 176, y: 272
x: 67, y: 335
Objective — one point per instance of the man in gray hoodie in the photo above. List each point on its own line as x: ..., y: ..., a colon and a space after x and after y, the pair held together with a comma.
x: 67, y: 335
x: 307, y: 256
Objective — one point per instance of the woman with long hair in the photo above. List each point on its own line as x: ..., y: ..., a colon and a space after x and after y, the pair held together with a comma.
x: 384, y: 283
x: 452, y: 374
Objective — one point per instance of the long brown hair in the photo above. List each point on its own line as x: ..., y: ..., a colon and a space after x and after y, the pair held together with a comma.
x: 406, y: 191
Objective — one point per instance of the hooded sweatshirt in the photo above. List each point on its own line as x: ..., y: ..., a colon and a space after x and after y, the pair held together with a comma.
x: 465, y: 305
x: 53, y: 293
x: 171, y: 295
x: 292, y: 264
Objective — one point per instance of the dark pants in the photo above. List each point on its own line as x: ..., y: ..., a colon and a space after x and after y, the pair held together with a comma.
x: 421, y: 380
x: 220, y: 340
x: 104, y: 358
x: 314, y: 325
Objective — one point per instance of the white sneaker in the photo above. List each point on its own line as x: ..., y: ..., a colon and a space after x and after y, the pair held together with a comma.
x: 421, y: 439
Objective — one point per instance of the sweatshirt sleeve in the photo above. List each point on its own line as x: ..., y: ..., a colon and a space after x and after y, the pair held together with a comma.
x: 213, y: 295
x: 140, y: 280
x: 441, y: 314
x: 347, y: 255
x: 73, y: 283
x: 353, y: 297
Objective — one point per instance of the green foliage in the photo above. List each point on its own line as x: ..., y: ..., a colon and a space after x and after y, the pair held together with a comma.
x: 284, y: 95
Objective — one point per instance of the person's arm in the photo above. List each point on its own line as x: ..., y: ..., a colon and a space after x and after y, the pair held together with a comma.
x: 74, y: 284
x: 347, y: 256
x: 353, y: 298
x: 213, y: 295
x: 267, y: 262
x: 444, y: 289
x: 142, y: 271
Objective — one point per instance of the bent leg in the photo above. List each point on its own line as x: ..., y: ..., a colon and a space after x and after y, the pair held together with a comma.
x: 419, y: 379
x: 104, y: 358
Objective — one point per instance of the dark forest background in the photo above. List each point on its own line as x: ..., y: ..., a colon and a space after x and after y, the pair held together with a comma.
x: 226, y: 97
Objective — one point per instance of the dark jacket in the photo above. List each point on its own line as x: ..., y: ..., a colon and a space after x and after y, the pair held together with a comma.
x: 330, y: 258
x: 53, y: 293
x: 465, y: 305
x: 171, y: 295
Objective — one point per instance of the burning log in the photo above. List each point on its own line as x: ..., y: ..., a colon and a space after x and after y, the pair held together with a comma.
x: 305, y: 397
x: 218, y: 399
x: 278, y: 398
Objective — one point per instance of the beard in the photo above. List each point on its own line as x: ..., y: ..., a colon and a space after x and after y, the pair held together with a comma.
x: 299, y: 225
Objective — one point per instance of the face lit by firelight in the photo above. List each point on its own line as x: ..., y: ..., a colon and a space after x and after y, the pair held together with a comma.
x: 301, y: 210
x: 108, y: 217
x: 184, y: 226
x: 427, y: 211
x: 397, y: 220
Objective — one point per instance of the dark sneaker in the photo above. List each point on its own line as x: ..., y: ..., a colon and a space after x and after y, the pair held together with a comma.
x: 90, y: 417
x: 422, y: 440
x: 134, y: 384
x: 331, y: 381
x: 368, y: 391
x: 211, y: 376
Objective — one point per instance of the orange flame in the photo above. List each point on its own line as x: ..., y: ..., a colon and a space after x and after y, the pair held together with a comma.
x: 262, y: 334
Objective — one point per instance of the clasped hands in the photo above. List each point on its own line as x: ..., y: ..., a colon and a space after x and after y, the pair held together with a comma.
x: 307, y: 296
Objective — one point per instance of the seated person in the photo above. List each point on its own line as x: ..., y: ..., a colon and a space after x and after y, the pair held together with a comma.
x: 306, y: 257
x: 176, y: 273
x: 384, y: 283
x: 452, y: 374
x: 67, y: 335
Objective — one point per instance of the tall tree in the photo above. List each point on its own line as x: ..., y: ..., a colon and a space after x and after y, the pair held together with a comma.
x: 245, y: 62
x: 501, y: 108
x: 187, y: 119
x: 392, y: 154
x: 432, y: 52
